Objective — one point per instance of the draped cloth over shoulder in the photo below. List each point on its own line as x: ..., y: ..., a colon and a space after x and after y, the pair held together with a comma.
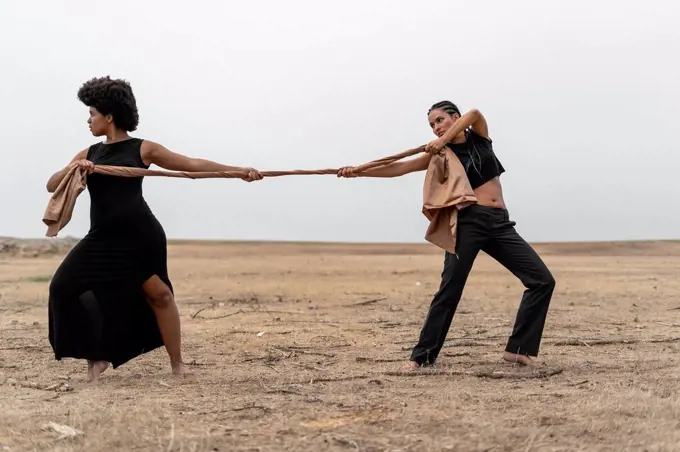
x: 446, y: 190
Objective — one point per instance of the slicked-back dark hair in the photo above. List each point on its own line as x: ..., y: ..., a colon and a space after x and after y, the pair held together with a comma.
x: 446, y: 106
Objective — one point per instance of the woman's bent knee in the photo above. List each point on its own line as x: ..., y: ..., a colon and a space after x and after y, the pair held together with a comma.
x: 547, y: 280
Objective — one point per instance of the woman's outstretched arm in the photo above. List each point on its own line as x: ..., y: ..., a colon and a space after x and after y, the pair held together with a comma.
x: 154, y: 153
x: 395, y: 169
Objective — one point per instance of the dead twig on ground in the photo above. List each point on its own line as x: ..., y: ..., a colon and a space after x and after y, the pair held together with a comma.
x: 240, y: 311
x: 591, y: 342
x: 316, y: 322
x: 422, y: 373
x: 389, y: 325
x: 197, y: 364
x: 259, y: 358
x: 496, y: 375
x: 456, y: 354
x: 664, y: 341
x: 331, y: 379
x: 466, y: 343
x: 537, y: 373
x: 308, y: 347
x: 379, y: 360
x: 193, y: 316
x: 56, y: 387
x: 366, y: 302
x: 545, y: 394
x: 252, y: 407
x: 262, y: 408
x: 396, y: 360
x: 305, y: 352
x: 267, y: 311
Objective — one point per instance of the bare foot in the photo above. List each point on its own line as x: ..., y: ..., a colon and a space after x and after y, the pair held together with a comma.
x: 410, y: 366
x: 519, y: 359
x: 180, y: 370
x: 95, y: 369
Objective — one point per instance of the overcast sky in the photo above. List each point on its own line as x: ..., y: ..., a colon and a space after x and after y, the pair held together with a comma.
x: 581, y: 97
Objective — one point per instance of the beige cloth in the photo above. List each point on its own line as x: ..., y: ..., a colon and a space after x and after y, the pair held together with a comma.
x: 445, y: 190
x: 61, y: 204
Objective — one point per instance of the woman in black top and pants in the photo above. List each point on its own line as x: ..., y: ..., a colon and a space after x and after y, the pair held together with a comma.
x: 111, y: 298
x: 484, y: 226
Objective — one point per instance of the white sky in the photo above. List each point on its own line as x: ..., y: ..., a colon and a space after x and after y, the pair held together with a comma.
x: 581, y: 97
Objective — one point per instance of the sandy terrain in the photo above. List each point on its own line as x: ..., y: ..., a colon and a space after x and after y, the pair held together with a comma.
x: 294, y: 347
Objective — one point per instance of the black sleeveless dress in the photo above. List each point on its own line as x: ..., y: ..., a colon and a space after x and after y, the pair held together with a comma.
x: 97, y: 307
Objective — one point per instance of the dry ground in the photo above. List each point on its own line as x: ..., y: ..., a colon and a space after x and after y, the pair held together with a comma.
x: 293, y: 346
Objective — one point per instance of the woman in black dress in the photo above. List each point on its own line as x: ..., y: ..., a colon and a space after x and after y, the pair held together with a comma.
x: 484, y: 226
x: 111, y: 299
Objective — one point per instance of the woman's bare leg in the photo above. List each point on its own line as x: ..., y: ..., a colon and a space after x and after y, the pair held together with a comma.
x: 163, y: 304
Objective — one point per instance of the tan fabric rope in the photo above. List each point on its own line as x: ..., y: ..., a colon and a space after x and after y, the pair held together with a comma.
x: 124, y: 171
x: 445, y: 186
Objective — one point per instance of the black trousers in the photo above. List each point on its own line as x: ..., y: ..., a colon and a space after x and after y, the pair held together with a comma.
x: 488, y: 229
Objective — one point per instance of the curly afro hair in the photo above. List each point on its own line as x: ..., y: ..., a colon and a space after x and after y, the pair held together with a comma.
x: 114, y: 97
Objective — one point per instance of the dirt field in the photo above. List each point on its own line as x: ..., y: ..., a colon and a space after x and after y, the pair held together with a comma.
x: 293, y: 348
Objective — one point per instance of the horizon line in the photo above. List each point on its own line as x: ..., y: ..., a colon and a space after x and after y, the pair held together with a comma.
x: 366, y: 243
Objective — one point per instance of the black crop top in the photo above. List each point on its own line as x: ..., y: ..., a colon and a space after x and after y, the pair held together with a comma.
x: 477, y: 156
